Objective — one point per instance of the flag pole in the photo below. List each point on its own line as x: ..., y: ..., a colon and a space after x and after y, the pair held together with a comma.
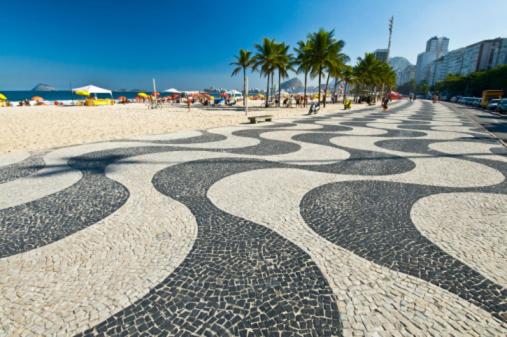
x: 154, y: 105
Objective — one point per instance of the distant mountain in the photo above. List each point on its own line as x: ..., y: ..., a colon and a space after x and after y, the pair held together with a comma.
x: 43, y: 87
x: 128, y: 90
x: 399, y: 63
x: 292, y: 85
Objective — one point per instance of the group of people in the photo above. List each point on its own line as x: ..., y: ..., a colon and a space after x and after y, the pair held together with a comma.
x: 298, y: 100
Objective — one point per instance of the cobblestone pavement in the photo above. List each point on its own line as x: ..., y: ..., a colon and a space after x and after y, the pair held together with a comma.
x: 362, y: 223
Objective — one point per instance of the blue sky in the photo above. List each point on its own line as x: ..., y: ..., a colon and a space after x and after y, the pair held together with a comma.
x: 189, y: 44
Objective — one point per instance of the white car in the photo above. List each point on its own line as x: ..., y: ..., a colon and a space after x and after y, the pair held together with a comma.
x: 493, y: 104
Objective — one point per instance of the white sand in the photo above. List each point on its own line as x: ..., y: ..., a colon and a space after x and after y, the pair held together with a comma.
x: 43, y: 127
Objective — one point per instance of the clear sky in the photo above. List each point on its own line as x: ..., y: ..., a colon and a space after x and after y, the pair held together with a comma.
x: 188, y: 44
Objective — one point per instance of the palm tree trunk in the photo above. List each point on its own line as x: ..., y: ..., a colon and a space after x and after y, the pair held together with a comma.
x: 279, y: 90
x: 267, y: 92
x: 304, y: 94
x: 272, y: 85
x: 320, y: 75
x: 325, y: 91
x: 244, y: 88
x: 345, y: 87
x: 335, y: 86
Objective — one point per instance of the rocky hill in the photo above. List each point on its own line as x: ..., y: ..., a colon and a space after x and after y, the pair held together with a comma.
x: 43, y: 87
x: 292, y: 85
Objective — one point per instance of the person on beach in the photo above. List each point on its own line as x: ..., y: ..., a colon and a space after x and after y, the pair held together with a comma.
x: 347, y: 104
x: 189, y: 102
x: 385, y: 102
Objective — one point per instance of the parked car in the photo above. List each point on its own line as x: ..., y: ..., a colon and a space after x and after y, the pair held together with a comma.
x: 502, y: 106
x: 467, y: 100
x: 493, y: 104
x: 476, y: 102
x: 454, y: 99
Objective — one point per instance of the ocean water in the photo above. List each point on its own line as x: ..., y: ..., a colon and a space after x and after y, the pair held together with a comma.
x: 15, y: 96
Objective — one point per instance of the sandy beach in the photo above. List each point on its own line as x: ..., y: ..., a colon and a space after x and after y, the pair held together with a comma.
x: 43, y: 127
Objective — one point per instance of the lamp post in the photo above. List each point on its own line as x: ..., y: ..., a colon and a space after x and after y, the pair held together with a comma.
x: 391, y: 22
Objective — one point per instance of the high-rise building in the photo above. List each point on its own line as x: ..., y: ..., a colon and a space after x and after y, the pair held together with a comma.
x: 436, y: 47
x: 439, y: 45
x: 381, y: 54
x: 424, y: 60
x: 479, y: 56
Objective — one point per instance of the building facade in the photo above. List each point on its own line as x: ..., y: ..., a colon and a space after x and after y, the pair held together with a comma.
x: 381, y: 54
x: 500, y: 56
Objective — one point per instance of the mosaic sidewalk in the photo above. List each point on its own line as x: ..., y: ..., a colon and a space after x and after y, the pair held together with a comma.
x: 361, y: 223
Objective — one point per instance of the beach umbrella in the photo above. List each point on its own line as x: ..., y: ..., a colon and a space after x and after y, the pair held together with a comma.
x: 173, y: 91
x: 143, y: 95
x: 2, y: 97
x: 82, y: 93
x: 37, y: 99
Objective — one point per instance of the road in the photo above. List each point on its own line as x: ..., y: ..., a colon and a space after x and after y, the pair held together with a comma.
x: 357, y: 223
x: 491, y: 121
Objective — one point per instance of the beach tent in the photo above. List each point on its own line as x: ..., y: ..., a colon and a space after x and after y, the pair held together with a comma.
x: 173, y: 91
x: 234, y: 92
x: 394, y: 95
x: 92, y: 89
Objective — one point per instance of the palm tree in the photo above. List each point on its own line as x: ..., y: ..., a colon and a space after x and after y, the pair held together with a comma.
x: 303, y: 61
x: 372, y: 73
x: 242, y: 62
x: 283, y: 63
x: 366, y: 71
x: 323, y: 51
x: 387, y: 76
x: 335, y: 65
x: 264, y: 61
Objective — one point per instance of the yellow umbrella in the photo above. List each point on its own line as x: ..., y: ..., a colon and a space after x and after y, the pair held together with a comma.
x: 2, y: 97
x: 143, y: 95
x: 37, y: 98
x: 82, y: 93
